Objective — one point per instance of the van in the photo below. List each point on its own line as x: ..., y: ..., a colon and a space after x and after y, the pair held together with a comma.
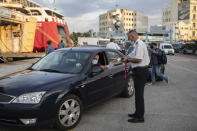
x: 167, y: 48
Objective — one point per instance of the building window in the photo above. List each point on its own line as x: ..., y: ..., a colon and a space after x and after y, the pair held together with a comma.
x: 193, y: 33
x: 194, y: 7
x: 194, y: 16
x: 194, y: 24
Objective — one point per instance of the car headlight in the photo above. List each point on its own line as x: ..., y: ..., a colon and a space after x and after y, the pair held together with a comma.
x: 30, y: 98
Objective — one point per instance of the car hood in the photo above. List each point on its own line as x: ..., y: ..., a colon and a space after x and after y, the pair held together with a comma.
x: 30, y: 81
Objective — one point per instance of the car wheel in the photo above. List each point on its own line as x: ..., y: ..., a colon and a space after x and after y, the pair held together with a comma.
x: 69, y: 113
x: 129, y: 88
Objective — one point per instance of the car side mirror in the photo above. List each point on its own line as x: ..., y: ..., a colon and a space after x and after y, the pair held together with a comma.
x: 96, y: 70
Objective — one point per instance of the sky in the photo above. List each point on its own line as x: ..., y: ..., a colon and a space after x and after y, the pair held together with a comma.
x: 82, y: 15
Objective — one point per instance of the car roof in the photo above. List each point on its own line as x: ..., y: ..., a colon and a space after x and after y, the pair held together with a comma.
x: 165, y: 43
x: 84, y: 49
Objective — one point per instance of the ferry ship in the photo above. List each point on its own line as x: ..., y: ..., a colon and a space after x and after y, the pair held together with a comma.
x: 26, y: 26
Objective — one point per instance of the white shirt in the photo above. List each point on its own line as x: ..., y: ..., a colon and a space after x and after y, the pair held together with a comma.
x: 112, y: 45
x: 140, y: 52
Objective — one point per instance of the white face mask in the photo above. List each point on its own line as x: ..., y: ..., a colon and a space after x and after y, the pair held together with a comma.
x: 94, y: 62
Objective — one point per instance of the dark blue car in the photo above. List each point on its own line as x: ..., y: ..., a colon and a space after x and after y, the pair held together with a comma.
x: 59, y: 86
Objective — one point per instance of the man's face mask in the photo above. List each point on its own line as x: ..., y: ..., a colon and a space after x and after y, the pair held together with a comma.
x: 94, y: 62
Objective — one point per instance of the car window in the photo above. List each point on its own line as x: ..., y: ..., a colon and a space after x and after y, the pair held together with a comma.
x: 167, y: 47
x: 114, y: 58
x: 69, y: 62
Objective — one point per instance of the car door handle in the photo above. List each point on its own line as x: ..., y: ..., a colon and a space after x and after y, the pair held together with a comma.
x: 110, y: 76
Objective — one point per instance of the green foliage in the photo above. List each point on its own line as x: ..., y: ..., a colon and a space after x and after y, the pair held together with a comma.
x: 75, y: 35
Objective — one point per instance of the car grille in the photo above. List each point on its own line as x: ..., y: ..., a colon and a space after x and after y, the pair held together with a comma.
x: 5, y: 98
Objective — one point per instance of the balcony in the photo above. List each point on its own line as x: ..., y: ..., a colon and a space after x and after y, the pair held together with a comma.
x: 194, y: 37
x: 194, y: 11
x: 193, y: 28
x: 194, y: 20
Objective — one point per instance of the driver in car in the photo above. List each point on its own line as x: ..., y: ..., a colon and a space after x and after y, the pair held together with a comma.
x: 95, y: 62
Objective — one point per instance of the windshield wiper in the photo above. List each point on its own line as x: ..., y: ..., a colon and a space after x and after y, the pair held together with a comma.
x: 51, y: 70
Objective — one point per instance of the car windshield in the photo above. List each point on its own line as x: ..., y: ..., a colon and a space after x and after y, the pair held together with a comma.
x: 62, y: 62
x: 167, y: 47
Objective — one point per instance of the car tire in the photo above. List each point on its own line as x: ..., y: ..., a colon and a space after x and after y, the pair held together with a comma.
x: 69, y: 113
x: 129, y: 88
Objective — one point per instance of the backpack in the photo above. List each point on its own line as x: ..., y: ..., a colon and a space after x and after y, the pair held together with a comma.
x: 163, y: 58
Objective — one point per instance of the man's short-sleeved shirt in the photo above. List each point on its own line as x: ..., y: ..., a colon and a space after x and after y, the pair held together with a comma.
x: 50, y: 49
x: 140, y: 52
x: 61, y: 45
x: 113, y: 46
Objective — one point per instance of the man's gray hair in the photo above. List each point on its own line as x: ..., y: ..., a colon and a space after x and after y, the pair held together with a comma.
x: 133, y: 32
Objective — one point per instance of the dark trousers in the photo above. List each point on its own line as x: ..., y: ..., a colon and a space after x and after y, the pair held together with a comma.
x: 140, y: 75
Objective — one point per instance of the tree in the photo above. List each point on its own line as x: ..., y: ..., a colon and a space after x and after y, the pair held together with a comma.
x: 75, y: 35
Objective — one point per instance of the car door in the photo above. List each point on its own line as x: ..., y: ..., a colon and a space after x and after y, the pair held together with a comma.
x: 98, y: 87
x: 117, y: 69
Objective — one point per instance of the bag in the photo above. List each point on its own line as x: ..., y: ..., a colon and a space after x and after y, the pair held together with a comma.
x: 163, y: 58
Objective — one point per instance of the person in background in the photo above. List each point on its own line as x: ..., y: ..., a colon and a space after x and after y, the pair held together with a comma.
x: 85, y: 43
x: 156, y: 64
x: 50, y: 48
x: 61, y: 45
x: 113, y: 45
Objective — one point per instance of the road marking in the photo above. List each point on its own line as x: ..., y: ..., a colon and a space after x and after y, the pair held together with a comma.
x: 183, y: 60
x: 183, y: 68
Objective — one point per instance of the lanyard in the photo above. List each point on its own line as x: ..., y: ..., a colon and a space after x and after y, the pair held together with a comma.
x: 125, y: 71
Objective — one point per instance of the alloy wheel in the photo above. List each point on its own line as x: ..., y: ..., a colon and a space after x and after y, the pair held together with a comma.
x: 69, y: 112
x: 130, y: 86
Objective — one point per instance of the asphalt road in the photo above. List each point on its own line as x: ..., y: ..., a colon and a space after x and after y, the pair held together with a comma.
x: 169, y: 107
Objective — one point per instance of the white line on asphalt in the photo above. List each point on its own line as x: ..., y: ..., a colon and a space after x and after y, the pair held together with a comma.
x: 183, y: 68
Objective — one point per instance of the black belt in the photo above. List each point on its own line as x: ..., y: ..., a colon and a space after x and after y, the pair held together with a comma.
x: 140, y: 67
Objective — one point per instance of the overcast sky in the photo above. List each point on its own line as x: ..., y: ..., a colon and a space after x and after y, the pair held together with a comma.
x: 82, y: 15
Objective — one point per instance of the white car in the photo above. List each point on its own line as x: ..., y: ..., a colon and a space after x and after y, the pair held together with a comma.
x: 167, y: 48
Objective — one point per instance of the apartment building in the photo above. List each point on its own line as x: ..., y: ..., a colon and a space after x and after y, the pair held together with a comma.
x: 128, y: 20
x: 181, y: 17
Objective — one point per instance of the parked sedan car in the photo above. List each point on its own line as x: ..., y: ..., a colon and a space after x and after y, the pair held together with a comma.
x: 59, y: 86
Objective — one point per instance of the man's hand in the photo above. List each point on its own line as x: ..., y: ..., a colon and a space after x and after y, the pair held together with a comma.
x: 132, y: 60
x: 125, y: 59
x: 154, y: 51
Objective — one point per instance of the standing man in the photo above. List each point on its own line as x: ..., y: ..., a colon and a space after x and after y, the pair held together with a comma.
x: 50, y: 48
x: 139, y: 59
x: 61, y: 45
x: 113, y: 45
x: 156, y: 63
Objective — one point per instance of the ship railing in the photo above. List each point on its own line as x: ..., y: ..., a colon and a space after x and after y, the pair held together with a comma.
x: 19, y: 3
x: 11, y: 15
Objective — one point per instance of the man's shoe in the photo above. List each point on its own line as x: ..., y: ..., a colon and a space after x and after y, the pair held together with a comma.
x: 136, y: 120
x: 132, y: 115
x: 166, y: 80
